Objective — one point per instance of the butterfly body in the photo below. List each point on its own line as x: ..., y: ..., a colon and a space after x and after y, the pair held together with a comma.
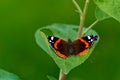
x: 66, y: 48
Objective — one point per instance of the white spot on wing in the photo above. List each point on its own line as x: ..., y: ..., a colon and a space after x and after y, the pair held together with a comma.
x: 88, y: 37
x: 50, y: 41
x: 52, y: 38
x: 91, y: 40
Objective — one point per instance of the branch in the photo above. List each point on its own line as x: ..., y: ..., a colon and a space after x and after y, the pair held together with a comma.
x: 93, y: 24
x: 62, y: 75
x: 77, y: 6
x: 82, y: 18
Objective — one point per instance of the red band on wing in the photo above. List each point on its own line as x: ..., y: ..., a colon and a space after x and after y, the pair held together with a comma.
x: 56, y: 43
x: 60, y: 54
x: 86, y: 43
x: 83, y: 52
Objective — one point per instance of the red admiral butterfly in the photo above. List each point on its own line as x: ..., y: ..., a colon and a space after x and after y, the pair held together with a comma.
x: 65, y: 49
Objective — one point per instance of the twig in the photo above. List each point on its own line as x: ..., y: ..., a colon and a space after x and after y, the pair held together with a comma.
x: 93, y: 24
x: 62, y: 75
x: 82, y: 18
x: 77, y: 6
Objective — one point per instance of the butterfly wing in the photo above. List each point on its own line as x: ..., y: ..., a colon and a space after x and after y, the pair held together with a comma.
x: 78, y: 47
x: 59, y: 45
x: 83, y: 44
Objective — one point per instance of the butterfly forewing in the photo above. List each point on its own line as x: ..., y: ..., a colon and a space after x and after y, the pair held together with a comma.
x: 83, y: 44
x: 80, y: 46
x: 59, y: 45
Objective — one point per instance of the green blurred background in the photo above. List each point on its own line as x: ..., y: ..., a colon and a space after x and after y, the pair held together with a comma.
x: 19, y: 53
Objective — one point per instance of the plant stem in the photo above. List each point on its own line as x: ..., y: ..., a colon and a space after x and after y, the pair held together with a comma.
x: 77, y: 6
x: 82, y: 18
x: 93, y: 24
x: 62, y: 75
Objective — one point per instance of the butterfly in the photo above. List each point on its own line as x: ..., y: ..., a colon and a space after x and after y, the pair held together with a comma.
x: 64, y: 49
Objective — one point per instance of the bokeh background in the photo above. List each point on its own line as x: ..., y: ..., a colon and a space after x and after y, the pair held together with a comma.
x: 19, y: 53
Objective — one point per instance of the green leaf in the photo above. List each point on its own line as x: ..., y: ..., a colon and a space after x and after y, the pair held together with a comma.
x: 51, y: 78
x: 110, y: 7
x: 4, y: 75
x: 63, y: 31
x: 100, y: 15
